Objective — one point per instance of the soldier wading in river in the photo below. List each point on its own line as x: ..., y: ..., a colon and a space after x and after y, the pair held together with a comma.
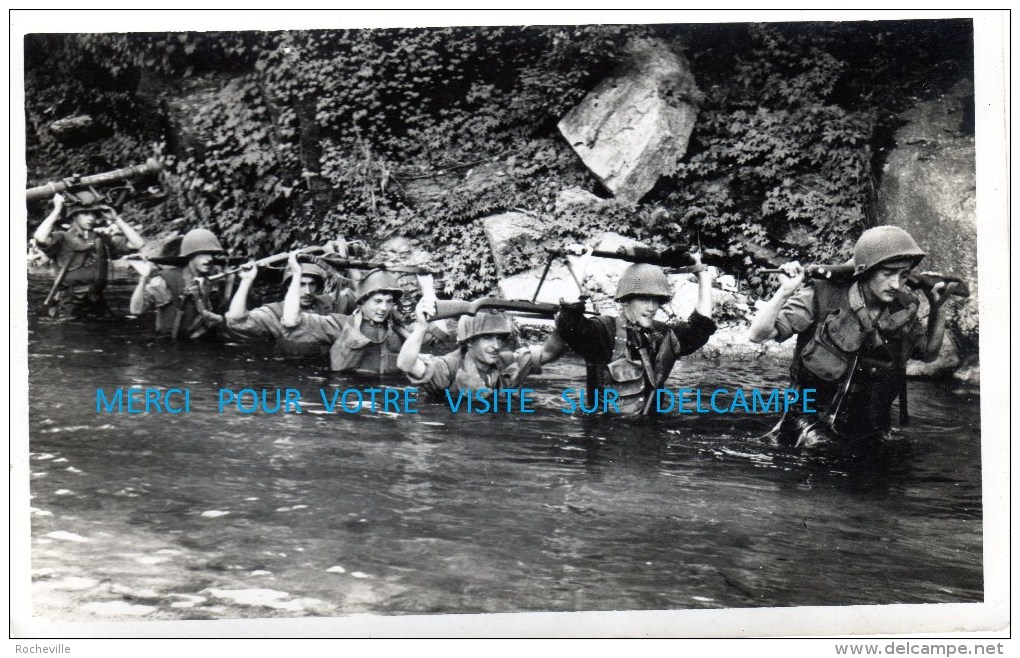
x: 266, y: 321
x: 367, y: 340
x: 82, y: 253
x: 634, y: 353
x: 853, y: 339
x: 188, y: 305
x: 481, y: 361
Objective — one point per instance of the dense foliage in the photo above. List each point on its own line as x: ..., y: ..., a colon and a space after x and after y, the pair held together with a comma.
x: 280, y: 138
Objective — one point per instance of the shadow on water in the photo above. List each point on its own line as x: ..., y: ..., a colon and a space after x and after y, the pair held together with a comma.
x: 221, y: 515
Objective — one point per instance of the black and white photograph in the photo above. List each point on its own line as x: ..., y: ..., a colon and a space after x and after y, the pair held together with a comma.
x: 415, y: 324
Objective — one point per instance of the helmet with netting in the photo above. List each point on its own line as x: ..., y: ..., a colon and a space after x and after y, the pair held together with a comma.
x: 483, y: 324
x: 643, y: 280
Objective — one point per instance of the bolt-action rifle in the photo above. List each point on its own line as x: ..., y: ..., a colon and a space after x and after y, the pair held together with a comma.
x: 452, y: 308
x: 923, y: 281
x: 264, y: 262
x: 638, y: 254
x: 342, y: 262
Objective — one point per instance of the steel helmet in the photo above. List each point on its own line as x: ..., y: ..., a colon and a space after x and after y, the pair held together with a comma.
x: 85, y: 201
x: 483, y: 324
x: 308, y: 269
x: 882, y: 244
x: 199, y: 241
x: 378, y: 281
x: 643, y: 280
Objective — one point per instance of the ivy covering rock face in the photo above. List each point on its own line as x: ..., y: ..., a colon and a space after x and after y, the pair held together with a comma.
x: 274, y: 139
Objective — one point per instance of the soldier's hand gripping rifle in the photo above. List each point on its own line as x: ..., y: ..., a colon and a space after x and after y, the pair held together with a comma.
x: 922, y: 281
x: 126, y: 174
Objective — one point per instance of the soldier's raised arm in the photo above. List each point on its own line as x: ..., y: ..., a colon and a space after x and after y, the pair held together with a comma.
x: 42, y: 232
x: 139, y: 303
x: 134, y: 239
x: 409, y: 360
x: 937, y: 297
x: 292, y: 300
x: 763, y: 326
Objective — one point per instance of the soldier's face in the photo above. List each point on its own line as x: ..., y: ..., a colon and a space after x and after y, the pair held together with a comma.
x: 485, y: 349
x: 85, y: 221
x: 378, y: 306
x: 886, y: 280
x: 309, y: 289
x: 201, y: 263
x: 641, y: 310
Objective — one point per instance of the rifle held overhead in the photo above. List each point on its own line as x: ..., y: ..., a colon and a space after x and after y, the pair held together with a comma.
x: 151, y: 166
x: 918, y: 280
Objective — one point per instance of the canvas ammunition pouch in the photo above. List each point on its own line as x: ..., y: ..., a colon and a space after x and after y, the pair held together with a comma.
x: 633, y: 379
x: 838, y: 337
x: 842, y: 331
x: 89, y: 260
x: 193, y: 311
x: 627, y: 377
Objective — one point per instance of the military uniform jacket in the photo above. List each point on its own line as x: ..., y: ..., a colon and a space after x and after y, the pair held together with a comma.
x: 626, y: 357
x: 302, y: 340
x: 87, y: 259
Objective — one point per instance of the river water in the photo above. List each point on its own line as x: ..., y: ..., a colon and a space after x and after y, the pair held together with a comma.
x: 220, y: 516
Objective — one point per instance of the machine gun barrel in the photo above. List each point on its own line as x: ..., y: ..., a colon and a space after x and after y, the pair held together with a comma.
x: 641, y: 254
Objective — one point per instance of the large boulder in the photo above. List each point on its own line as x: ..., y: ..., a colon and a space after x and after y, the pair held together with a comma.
x: 634, y: 126
x: 77, y: 130
x: 574, y: 198
x: 405, y: 251
x: 928, y: 188
x: 558, y: 285
x: 504, y: 229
